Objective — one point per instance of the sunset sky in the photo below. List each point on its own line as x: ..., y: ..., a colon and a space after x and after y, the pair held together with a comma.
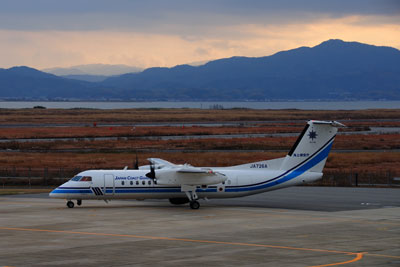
x: 52, y: 33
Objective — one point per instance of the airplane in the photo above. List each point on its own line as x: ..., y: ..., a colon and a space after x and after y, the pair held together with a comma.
x: 184, y: 183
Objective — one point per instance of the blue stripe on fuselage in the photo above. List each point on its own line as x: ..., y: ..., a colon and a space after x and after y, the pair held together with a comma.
x: 71, y: 191
x: 302, y: 169
x: 299, y: 171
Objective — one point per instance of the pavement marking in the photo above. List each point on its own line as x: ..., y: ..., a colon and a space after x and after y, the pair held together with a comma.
x: 358, y: 255
x: 357, y: 258
x: 385, y: 256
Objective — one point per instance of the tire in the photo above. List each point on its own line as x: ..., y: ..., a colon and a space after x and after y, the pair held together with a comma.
x: 70, y: 204
x: 179, y: 200
x: 194, y: 205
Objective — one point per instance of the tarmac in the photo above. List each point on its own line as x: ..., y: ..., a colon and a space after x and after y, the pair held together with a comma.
x: 299, y: 226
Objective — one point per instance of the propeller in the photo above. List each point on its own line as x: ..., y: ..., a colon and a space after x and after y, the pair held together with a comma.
x: 152, y: 173
x: 136, y: 166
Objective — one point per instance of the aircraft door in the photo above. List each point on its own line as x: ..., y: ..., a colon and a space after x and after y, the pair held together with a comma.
x: 109, y: 185
x: 231, y: 181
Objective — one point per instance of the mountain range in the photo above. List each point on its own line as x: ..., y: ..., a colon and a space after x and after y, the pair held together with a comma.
x: 332, y: 70
x: 92, y: 72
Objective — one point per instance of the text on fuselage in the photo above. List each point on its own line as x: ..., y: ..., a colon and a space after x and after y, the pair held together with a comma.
x: 130, y: 177
x: 258, y: 165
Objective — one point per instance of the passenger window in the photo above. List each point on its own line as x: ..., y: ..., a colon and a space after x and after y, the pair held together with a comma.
x: 131, y: 182
x: 137, y: 182
x: 123, y: 183
x: 149, y: 182
x: 143, y: 182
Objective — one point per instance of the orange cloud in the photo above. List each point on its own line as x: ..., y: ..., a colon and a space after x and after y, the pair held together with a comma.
x: 42, y: 49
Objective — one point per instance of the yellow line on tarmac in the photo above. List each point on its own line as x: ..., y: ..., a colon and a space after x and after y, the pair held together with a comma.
x: 357, y: 258
x: 358, y: 255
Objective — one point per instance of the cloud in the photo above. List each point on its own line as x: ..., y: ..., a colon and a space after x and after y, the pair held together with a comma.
x: 44, y: 49
x: 178, y: 16
x: 48, y: 33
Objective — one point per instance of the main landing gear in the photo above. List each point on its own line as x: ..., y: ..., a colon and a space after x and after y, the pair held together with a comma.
x: 190, y: 192
x: 194, y: 204
x: 71, y: 204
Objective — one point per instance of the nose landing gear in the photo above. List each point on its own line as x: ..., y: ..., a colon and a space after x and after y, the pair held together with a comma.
x: 70, y: 204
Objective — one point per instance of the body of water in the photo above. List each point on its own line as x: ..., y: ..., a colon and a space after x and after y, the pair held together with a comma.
x: 305, y: 105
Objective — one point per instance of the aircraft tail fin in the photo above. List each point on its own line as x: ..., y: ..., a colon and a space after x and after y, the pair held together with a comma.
x: 312, y: 146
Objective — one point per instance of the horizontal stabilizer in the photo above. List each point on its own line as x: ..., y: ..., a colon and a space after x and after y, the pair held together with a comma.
x: 332, y: 123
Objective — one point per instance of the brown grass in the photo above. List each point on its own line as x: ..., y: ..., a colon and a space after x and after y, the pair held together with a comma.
x: 80, y: 132
x: 344, y: 142
x: 132, y: 116
x: 361, y: 161
x: 287, y: 121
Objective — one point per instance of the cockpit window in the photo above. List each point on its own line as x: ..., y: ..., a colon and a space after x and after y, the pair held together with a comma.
x: 82, y: 179
x: 76, y: 178
x: 86, y: 179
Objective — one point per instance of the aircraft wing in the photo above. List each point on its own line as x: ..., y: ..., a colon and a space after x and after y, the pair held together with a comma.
x: 161, y: 162
x: 158, y: 164
x: 189, y: 175
x: 190, y: 169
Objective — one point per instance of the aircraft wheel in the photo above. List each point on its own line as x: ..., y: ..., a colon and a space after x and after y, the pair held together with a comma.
x: 194, y: 205
x: 179, y: 201
x: 70, y: 204
x: 79, y: 202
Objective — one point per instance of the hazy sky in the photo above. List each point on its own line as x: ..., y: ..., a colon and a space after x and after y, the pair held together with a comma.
x: 50, y: 33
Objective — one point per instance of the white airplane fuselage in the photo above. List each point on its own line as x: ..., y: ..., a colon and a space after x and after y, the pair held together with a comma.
x: 133, y: 184
x: 184, y: 183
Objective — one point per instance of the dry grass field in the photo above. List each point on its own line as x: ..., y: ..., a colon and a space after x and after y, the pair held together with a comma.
x: 358, y: 161
x: 376, y: 153
x: 132, y: 116
x: 342, y: 142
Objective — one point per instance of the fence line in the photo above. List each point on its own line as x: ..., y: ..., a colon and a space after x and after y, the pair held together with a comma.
x: 54, y: 176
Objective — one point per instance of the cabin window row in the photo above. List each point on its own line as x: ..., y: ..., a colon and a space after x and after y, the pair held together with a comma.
x: 138, y: 183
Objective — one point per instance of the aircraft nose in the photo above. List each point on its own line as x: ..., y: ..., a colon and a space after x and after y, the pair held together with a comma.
x: 52, y: 193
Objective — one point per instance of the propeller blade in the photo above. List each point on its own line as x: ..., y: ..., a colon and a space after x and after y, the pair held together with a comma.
x: 136, y: 166
x: 152, y: 173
